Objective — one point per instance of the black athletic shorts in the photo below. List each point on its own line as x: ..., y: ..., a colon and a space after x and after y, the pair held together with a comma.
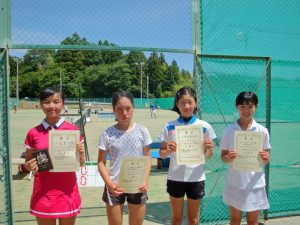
x: 193, y: 190
x: 135, y: 199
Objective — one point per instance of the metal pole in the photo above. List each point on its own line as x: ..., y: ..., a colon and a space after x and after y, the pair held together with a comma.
x: 147, y: 88
x: 17, y: 80
x: 141, y: 64
x: 60, y: 81
x: 141, y: 79
x: 268, y: 123
x: 141, y: 83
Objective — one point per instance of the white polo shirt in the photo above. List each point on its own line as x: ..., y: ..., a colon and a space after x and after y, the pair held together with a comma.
x: 119, y: 144
x: 185, y: 173
x: 244, y: 179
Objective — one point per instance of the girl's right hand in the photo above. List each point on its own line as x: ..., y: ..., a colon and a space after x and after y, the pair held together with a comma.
x: 31, y: 165
x: 171, y: 146
x: 231, y: 155
x: 115, y: 189
x: 228, y: 155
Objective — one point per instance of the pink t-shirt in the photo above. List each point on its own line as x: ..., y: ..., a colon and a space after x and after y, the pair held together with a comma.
x: 52, y: 188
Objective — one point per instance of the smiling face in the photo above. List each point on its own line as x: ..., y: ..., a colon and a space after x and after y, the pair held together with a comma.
x: 246, y: 111
x: 186, y: 105
x: 52, y: 107
x: 123, y: 110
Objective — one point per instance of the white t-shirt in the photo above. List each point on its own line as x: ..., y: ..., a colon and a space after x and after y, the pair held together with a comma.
x: 186, y: 173
x: 244, y: 179
x: 119, y: 144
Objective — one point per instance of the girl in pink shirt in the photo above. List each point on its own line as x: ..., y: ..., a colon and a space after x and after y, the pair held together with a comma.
x: 55, y: 194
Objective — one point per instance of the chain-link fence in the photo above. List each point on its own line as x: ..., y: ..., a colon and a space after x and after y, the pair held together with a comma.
x: 284, y: 191
x: 220, y: 79
x: 159, y: 24
x: 6, y: 213
x: 258, y: 28
x: 167, y: 26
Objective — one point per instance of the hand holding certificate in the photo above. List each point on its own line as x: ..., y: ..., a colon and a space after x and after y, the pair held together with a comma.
x: 62, y: 149
x: 248, y: 144
x: 133, y: 173
x: 189, y: 141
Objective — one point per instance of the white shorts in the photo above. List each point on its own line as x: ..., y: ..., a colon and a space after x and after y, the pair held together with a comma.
x: 246, y: 200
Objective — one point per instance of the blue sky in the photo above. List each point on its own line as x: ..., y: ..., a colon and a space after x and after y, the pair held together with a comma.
x: 152, y: 23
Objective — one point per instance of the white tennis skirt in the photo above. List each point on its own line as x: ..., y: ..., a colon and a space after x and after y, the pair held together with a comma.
x: 246, y: 200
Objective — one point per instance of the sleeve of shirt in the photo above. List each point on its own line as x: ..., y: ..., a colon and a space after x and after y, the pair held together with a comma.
x: 266, y: 140
x: 148, y: 139
x: 103, y: 143
x: 29, y: 140
x: 211, y: 133
x: 164, y: 134
x: 225, y: 140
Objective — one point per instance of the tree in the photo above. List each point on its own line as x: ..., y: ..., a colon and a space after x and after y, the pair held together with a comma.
x: 94, y: 81
x: 99, y: 73
x: 118, y: 77
x: 35, y: 58
x: 171, y: 77
x: 71, y: 60
x: 155, y: 73
x: 13, y: 74
x: 29, y: 85
x: 110, y: 57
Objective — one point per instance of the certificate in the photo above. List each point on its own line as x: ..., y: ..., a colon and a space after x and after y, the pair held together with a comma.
x: 189, y: 140
x: 133, y: 173
x: 62, y: 149
x: 248, y: 144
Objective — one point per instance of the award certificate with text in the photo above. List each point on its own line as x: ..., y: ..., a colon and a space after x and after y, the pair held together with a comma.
x: 133, y: 173
x: 62, y: 149
x: 189, y: 140
x: 248, y: 144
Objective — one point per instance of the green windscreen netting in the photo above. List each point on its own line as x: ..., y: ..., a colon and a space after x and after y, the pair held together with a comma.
x: 221, y: 79
x: 260, y: 28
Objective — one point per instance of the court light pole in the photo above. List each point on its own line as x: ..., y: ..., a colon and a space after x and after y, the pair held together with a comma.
x: 17, y: 78
x: 60, y: 80
x: 17, y: 85
x: 141, y: 73
x: 147, y: 88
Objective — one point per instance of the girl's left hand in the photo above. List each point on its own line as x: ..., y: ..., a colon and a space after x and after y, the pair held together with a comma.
x: 265, y: 155
x: 80, y: 148
x: 171, y: 146
x: 144, y: 187
x: 208, y: 147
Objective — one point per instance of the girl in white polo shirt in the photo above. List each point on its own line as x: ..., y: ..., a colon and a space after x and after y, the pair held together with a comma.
x: 185, y: 179
x: 244, y: 190
x: 125, y: 138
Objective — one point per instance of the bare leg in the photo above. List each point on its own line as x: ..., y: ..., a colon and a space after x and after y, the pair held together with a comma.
x: 252, y: 217
x: 177, y: 210
x: 193, y: 211
x: 67, y: 221
x: 45, y: 221
x: 136, y: 213
x: 115, y: 214
x: 235, y: 216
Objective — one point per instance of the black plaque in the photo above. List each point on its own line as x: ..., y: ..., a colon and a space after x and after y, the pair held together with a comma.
x: 43, y: 159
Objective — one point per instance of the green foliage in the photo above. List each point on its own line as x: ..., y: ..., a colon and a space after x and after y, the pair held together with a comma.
x: 96, y: 73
